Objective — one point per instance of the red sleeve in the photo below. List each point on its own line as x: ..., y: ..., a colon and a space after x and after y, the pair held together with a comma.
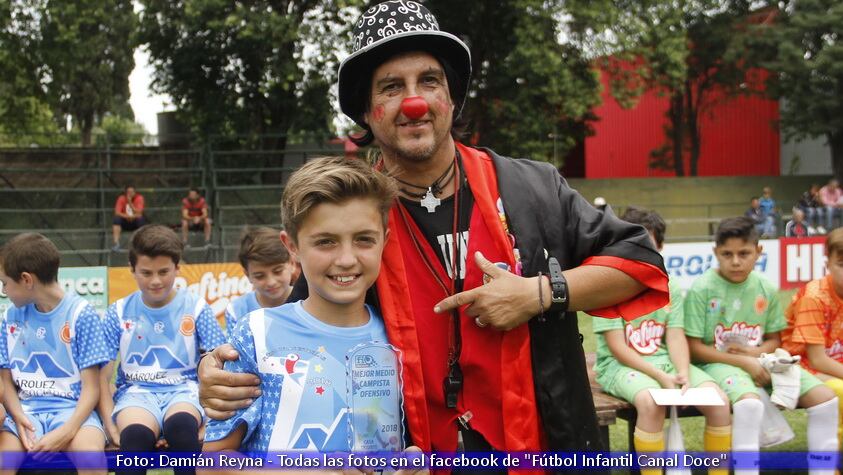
x: 139, y: 205
x: 202, y: 204
x: 120, y: 204
x: 655, y: 296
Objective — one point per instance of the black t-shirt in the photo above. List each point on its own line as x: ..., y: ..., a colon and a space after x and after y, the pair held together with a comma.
x: 438, y: 228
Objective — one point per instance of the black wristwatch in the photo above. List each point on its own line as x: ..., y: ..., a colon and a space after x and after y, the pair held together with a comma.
x: 558, y: 285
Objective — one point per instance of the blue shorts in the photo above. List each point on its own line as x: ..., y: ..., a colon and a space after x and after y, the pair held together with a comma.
x: 47, y: 421
x: 158, y: 401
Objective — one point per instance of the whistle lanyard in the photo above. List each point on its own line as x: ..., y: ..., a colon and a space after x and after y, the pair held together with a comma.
x: 454, y: 380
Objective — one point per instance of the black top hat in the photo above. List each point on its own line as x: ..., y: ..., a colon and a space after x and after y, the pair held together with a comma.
x: 390, y: 28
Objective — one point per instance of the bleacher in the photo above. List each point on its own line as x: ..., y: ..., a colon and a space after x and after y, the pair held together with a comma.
x: 68, y: 194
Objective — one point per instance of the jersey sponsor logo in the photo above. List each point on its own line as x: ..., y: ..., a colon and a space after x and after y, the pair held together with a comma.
x: 64, y: 333
x: 647, y: 338
x: 290, y: 363
x: 752, y: 333
x: 715, y: 307
x: 187, y: 326
x: 128, y: 325
x: 13, y: 330
x: 158, y: 327
x: 42, y: 362
x: 156, y: 357
x: 835, y: 351
x: 761, y: 304
x: 41, y: 333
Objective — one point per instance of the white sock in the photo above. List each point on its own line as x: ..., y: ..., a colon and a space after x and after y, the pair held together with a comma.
x: 746, y: 430
x: 822, y: 436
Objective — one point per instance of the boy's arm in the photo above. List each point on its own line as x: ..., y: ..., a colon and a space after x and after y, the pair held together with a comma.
x: 708, y: 354
x: 106, y: 403
x: 629, y: 357
x: 821, y: 362
x: 208, y: 329
x: 677, y: 348
x: 230, y: 442
x: 26, y: 432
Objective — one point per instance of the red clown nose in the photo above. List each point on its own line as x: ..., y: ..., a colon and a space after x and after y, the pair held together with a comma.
x: 414, y: 107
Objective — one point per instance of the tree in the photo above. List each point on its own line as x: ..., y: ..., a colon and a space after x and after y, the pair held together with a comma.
x: 683, y: 49
x: 235, y: 68
x: 87, y: 47
x: 807, y: 62
x: 25, y: 117
x: 529, y: 95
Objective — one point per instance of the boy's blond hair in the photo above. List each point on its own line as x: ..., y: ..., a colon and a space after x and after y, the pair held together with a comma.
x: 262, y: 245
x: 834, y: 242
x: 155, y: 240
x: 333, y: 180
x: 33, y: 253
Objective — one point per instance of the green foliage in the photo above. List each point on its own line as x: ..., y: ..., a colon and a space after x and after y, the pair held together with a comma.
x: 803, y: 45
x: 87, y: 47
x: 682, y: 49
x: 23, y: 107
x: 69, y: 58
x: 529, y: 94
x: 235, y: 68
x: 117, y: 131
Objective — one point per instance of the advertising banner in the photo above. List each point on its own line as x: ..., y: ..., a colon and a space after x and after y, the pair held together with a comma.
x: 802, y: 260
x: 688, y: 260
x: 218, y: 284
x: 90, y: 283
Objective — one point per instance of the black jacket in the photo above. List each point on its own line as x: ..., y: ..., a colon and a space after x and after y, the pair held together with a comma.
x: 544, y: 213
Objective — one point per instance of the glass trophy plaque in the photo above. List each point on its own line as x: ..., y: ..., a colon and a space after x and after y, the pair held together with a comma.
x: 376, y: 415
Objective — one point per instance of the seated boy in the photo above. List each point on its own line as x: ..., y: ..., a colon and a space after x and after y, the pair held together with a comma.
x: 732, y: 316
x: 815, y: 323
x: 267, y: 265
x: 158, y: 332
x: 651, y: 352
x: 50, y: 351
x: 335, y: 213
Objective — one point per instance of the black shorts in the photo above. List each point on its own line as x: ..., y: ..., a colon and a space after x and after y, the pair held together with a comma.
x: 127, y: 225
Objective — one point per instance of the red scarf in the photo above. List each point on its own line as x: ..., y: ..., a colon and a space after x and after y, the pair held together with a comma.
x: 493, y: 362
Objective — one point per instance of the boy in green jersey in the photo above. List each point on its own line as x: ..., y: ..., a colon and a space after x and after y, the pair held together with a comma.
x: 651, y: 352
x: 732, y: 316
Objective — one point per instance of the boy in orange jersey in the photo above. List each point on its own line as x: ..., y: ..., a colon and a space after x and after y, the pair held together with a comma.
x: 815, y: 322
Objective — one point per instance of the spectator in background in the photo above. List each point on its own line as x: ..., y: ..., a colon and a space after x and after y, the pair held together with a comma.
x: 194, y: 216
x: 797, y: 227
x: 811, y: 205
x: 763, y: 223
x: 768, y: 205
x: 830, y: 196
x: 128, y: 214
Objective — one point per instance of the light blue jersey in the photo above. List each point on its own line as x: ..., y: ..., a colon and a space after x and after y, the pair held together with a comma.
x: 242, y: 305
x: 46, y: 352
x: 159, y: 347
x: 301, y: 363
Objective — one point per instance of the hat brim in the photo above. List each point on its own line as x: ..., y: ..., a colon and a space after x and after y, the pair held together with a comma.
x: 355, y: 71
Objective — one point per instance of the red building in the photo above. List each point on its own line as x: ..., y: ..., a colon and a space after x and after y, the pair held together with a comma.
x: 739, y: 136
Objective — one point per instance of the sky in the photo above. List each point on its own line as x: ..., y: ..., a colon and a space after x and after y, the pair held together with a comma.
x: 144, y: 103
